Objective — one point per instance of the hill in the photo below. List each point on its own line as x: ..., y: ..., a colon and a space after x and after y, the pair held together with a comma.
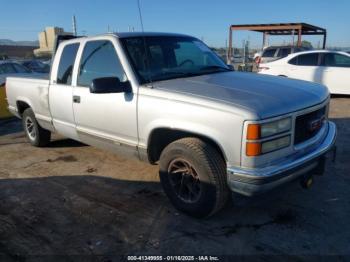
x: 9, y: 42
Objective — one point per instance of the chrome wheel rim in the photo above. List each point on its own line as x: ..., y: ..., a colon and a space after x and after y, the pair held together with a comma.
x: 184, y: 180
x: 30, y: 128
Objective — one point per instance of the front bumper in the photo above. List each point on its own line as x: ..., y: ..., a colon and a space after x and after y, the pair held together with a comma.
x: 255, y: 181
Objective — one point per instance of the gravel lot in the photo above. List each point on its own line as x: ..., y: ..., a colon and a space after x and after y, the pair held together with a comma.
x: 72, y: 199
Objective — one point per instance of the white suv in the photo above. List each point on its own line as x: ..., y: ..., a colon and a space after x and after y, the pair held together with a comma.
x: 273, y: 53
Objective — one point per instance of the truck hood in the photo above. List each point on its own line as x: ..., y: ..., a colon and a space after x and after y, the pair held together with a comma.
x: 265, y: 96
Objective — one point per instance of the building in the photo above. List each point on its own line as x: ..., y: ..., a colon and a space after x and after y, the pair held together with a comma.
x: 16, y: 51
x: 47, y: 41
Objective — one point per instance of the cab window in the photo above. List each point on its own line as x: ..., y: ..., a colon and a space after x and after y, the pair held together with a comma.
x: 65, y: 68
x: 99, y: 60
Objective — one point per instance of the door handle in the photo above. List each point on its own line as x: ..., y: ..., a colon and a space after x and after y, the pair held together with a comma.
x: 76, y: 99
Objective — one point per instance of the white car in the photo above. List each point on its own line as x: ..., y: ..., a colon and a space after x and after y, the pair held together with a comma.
x: 329, y: 68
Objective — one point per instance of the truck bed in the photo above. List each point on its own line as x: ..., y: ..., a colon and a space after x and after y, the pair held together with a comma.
x: 35, y: 76
x: 31, y: 90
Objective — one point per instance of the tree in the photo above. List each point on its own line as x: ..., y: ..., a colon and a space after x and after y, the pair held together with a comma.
x: 306, y: 44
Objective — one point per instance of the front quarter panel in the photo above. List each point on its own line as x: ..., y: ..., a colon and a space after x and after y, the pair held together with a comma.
x: 223, y: 127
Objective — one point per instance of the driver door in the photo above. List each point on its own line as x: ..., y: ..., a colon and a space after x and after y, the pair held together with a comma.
x: 105, y: 120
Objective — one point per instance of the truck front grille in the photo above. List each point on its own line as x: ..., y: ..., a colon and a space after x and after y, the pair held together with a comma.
x: 308, y: 125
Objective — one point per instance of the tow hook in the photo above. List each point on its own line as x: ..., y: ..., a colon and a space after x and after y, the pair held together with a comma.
x: 306, y: 182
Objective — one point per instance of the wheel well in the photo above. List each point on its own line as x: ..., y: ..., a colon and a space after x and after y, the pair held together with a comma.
x: 21, y: 106
x: 162, y: 137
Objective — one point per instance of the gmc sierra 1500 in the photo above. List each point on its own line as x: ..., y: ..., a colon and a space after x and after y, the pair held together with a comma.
x: 168, y: 99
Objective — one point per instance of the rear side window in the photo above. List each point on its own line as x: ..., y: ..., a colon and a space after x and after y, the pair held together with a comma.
x: 269, y: 53
x: 99, y: 60
x: 293, y: 61
x: 305, y: 60
x: 65, y: 68
x: 284, y: 52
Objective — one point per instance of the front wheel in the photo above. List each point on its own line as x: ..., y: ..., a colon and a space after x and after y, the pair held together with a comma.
x: 36, y: 135
x: 193, y: 176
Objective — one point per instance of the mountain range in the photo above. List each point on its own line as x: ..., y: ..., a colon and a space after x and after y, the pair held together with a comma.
x: 18, y: 43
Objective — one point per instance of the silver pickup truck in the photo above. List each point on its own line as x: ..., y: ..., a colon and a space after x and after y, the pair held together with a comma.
x: 168, y: 99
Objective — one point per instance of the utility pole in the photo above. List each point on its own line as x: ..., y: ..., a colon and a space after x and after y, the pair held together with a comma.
x: 74, y: 26
x: 226, y: 49
x: 243, y: 45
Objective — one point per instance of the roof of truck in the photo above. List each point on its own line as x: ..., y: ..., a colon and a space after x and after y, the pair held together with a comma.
x: 138, y: 34
x: 126, y: 35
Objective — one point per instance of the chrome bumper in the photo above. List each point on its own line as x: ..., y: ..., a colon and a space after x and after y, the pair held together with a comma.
x: 254, y: 181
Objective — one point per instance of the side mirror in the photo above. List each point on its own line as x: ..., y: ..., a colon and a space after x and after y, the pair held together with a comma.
x: 105, y: 85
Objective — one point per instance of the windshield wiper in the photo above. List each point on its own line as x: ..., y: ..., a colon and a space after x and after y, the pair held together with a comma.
x: 215, y: 67
x: 171, y: 75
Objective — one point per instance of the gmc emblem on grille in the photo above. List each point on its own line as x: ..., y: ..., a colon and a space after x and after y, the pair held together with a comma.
x: 315, y: 125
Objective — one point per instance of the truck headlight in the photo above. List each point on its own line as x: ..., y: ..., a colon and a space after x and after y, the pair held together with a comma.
x: 258, y: 148
x: 275, y: 144
x: 276, y: 127
x: 257, y: 132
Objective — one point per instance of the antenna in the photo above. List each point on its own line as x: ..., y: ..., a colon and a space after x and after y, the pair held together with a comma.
x: 147, y: 63
x: 140, y: 14
x: 74, y: 26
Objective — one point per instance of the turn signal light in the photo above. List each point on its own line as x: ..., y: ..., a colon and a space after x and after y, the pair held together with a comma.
x: 253, y: 132
x: 253, y: 149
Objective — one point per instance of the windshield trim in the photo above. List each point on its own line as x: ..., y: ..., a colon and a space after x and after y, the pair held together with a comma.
x: 144, y: 81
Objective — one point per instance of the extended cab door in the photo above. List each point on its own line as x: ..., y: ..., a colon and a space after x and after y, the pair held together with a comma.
x: 107, y: 120
x: 61, y: 91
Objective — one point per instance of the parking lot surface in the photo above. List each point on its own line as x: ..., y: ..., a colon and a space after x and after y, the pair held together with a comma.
x: 73, y: 199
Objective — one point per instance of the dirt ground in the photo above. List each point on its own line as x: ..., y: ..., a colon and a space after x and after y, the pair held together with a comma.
x: 73, y: 199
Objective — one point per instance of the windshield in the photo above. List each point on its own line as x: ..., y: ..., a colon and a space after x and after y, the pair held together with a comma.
x: 171, y: 57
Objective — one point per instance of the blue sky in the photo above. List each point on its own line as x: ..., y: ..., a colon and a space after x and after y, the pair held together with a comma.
x: 209, y: 20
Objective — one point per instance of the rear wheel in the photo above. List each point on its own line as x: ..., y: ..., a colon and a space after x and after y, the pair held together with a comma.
x: 36, y: 135
x: 193, y: 175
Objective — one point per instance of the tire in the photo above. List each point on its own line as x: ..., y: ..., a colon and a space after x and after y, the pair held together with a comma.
x: 202, y: 189
x: 36, y: 135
